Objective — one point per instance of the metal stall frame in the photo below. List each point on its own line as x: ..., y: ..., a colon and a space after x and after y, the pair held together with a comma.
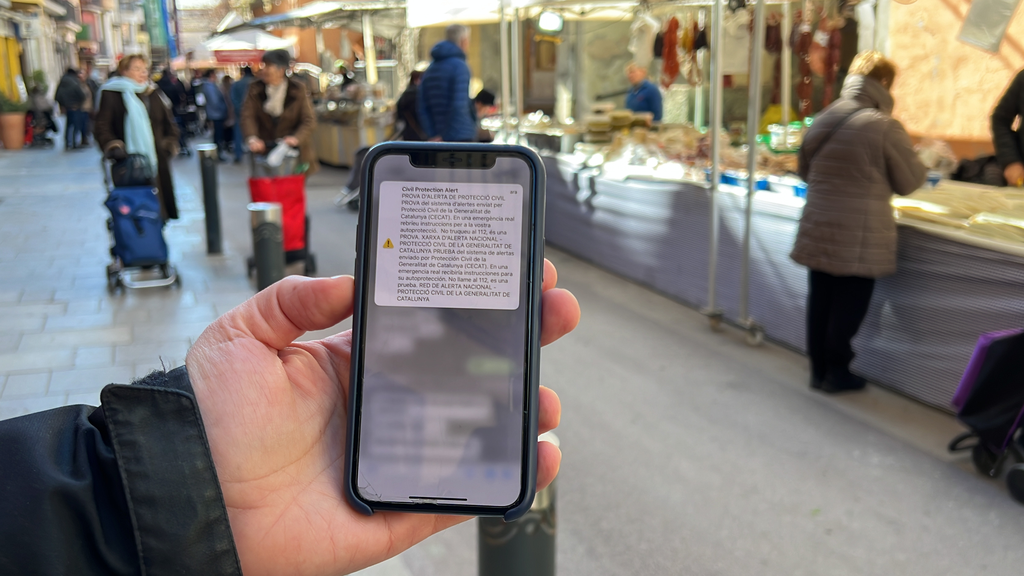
x: 755, y: 333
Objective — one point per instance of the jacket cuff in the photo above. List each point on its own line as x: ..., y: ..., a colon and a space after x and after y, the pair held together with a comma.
x: 174, y: 498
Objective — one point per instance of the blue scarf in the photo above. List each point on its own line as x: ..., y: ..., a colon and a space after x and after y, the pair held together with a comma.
x: 138, y: 133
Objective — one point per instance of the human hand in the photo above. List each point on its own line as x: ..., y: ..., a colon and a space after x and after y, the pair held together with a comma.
x: 256, y: 145
x: 275, y: 413
x: 1014, y: 174
x: 291, y: 141
x: 117, y: 153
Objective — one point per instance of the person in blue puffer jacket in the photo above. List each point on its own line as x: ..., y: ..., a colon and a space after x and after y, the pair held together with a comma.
x: 444, y: 107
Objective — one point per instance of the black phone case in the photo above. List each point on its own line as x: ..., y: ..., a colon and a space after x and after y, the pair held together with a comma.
x: 533, y: 349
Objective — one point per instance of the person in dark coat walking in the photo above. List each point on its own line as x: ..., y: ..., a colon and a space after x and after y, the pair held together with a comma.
x: 1009, y: 143
x: 152, y: 132
x: 278, y: 107
x: 407, y: 121
x: 71, y: 96
x: 445, y: 110
x: 216, y: 111
x: 239, y: 90
x: 854, y: 157
x: 173, y: 89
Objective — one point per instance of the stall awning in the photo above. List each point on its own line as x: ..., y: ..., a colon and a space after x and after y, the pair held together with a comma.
x: 244, y: 45
x: 316, y: 13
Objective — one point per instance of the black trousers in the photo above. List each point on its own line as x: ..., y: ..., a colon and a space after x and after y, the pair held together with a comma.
x: 836, y: 307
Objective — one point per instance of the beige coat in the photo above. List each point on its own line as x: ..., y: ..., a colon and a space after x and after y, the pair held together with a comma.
x: 848, y: 228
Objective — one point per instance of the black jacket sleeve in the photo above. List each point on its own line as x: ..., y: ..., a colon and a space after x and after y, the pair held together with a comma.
x: 1006, y: 141
x: 126, y: 488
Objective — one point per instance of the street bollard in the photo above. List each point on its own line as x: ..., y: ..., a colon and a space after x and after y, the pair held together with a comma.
x: 267, y: 242
x: 524, y: 547
x: 208, y: 160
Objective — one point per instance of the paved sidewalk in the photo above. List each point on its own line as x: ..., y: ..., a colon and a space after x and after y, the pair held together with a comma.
x: 62, y: 335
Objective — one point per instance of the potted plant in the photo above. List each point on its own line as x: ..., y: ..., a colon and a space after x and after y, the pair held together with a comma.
x: 12, y: 122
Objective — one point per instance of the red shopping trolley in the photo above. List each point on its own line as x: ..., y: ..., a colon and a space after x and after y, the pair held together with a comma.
x: 279, y: 184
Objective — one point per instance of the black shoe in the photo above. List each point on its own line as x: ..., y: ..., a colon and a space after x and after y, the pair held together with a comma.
x: 845, y: 382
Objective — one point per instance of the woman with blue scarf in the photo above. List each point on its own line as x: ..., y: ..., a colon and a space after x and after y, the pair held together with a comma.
x: 135, y: 117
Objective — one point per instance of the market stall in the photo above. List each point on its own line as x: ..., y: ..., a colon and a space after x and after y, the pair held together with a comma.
x: 669, y: 209
x: 354, y: 104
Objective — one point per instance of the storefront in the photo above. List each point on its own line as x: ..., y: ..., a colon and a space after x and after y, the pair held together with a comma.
x: 10, y: 54
x: 669, y: 208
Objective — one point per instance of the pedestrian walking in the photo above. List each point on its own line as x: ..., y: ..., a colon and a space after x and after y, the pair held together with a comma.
x: 445, y: 111
x: 135, y: 117
x: 229, y: 124
x: 278, y: 107
x: 70, y: 96
x: 216, y: 111
x: 407, y: 122
x: 239, y: 90
x: 854, y: 157
x: 88, y: 109
x: 173, y: 89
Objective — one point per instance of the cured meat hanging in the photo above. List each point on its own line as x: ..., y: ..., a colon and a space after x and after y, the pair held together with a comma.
x: 802, y: 39
x: 835, y: 54
x: 773, y: 44
x: 670, y: 54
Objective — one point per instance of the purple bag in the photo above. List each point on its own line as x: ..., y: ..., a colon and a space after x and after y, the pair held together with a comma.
x: 974, y: 366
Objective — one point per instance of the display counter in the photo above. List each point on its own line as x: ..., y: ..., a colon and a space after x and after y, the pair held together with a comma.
x: 337, y: 143
x: 923, y: 322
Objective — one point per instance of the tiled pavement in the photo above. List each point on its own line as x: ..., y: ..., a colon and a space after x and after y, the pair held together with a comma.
x: 62, y: 335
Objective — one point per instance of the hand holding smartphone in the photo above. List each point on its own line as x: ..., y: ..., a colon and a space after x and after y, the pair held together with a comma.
x: 446, y: 330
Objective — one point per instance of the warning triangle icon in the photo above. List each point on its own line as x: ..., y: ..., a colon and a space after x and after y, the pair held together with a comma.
x: 388, y: 244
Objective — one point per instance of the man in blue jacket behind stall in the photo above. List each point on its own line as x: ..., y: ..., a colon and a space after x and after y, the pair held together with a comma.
x: 444, y: 107
x: 643, y: 96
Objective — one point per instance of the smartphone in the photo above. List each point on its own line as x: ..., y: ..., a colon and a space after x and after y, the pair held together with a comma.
x: 446, y: 330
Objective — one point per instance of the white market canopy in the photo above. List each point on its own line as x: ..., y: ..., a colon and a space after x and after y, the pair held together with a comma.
x: 245, y: 45
x: 388, y: 17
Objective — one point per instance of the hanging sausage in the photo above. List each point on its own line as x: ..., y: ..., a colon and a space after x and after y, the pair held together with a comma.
x: 670, y: 53
x: 802, y: 39
x: 835, y: 54
x: 773, y: 45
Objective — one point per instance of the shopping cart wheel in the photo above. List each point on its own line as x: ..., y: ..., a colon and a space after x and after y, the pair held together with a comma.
x: 986, y: 461
x: 1015, y: 482
x: 755, y: 336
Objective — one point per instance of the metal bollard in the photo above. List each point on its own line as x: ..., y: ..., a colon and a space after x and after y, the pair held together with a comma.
x: 267, y: 242
x: 525, y: 547
x: 208, y: 160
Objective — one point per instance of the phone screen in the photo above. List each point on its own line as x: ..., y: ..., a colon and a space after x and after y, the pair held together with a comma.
x: 445, y: 333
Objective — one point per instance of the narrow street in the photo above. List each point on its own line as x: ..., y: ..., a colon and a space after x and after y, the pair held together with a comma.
x: 685, y: 451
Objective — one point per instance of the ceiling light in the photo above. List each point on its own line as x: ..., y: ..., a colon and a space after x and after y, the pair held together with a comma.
x: 550, y: 21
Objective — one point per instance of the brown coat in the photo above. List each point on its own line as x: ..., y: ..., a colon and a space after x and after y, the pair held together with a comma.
x: 109, y: 132
x: 848, y: 228
x: 296, y: 120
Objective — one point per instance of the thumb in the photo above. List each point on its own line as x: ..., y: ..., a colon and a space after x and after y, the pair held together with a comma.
x: 289, y: 308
